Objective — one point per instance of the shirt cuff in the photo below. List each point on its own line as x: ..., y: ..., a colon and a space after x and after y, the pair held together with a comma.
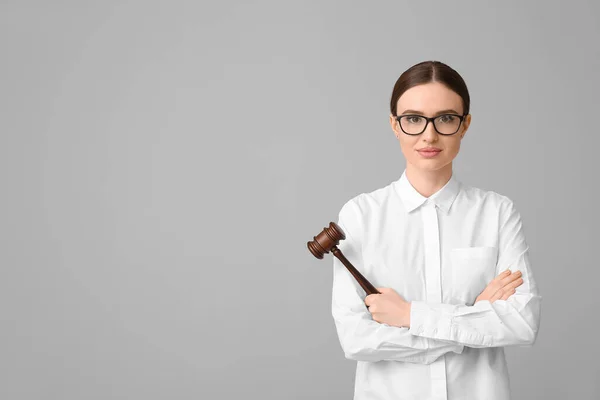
x: 431, y: 320
x: 436, y: 321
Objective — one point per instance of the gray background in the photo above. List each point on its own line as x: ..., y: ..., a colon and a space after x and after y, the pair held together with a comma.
x: 163, y: 165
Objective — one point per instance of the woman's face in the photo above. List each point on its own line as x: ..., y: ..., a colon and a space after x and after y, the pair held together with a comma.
x: 430, y: 99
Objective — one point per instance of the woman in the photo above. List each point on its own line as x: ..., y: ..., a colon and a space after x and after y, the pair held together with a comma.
x: 450, y: 260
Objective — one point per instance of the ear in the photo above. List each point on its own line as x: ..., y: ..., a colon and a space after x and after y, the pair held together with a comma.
x: 394, y: 125
x: 466, y: 124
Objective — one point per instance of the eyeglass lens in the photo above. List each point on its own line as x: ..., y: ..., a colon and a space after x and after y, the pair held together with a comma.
x: 415, y: 124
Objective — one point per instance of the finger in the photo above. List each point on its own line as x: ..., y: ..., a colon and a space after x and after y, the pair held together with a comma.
x: 497, y: 282
x: 514, y: 284
x: 513, y: 274
x: 507, y: 294
x: 494, y: 286
x: 504, y: 274
x: 512, y: 277
x: 497, y: 295
x: 490, y: 289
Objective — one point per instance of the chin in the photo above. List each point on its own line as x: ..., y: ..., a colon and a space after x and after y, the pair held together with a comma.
x: 431, y: 165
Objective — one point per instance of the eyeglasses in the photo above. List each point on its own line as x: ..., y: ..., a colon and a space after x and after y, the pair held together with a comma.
x: 445, y: 124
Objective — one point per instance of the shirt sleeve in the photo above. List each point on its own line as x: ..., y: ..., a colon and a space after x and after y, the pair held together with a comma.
x: 512, y: 322
x: 361, y: 337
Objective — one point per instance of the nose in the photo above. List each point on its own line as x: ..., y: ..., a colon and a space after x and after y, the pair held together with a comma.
x: 430, y: 134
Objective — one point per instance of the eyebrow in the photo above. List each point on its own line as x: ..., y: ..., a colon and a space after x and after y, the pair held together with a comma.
x: 449, y: 111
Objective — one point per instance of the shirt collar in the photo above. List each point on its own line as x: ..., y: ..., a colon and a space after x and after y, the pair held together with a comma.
x: 412, y: 199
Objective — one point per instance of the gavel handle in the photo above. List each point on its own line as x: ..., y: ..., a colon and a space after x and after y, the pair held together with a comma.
x: 363, y: 282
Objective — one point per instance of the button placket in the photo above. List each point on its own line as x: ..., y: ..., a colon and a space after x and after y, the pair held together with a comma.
x: 434, y: 286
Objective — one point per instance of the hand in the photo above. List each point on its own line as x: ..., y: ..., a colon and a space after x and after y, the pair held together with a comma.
x: 389, y: 308
x: 501, y: 287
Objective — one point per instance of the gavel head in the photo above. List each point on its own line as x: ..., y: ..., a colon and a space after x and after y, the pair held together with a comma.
x: 326, y: 240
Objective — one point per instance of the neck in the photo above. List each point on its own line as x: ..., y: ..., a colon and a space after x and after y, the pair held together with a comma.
x: 428, y: 182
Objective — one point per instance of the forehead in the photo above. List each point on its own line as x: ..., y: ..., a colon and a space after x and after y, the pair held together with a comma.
x: 429, y: 98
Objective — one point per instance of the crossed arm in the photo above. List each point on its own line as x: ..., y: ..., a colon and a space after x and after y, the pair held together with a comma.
x: 436, y: 328
x: 511, y: 322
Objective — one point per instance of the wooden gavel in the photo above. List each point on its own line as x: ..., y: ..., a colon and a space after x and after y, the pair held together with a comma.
x: 328, y: 240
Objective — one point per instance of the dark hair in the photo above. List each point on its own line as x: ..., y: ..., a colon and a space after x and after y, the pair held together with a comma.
x: 430, y: 71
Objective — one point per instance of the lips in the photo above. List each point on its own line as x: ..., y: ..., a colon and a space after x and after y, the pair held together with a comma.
x: 429, y: 152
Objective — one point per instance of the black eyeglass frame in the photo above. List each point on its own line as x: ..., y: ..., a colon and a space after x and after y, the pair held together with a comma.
x: 431, y: 119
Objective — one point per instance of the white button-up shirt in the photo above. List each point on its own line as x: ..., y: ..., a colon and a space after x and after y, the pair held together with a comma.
x: 438, y: 253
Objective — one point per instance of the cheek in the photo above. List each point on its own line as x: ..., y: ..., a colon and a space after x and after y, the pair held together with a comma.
x: 451, y: 147
x: 408, y: 145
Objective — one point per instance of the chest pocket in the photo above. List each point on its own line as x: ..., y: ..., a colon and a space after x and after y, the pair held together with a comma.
x: 472, y: 269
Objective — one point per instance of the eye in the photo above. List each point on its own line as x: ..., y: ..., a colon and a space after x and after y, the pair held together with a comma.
x: 413, y: 119
x: 446, y: 118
